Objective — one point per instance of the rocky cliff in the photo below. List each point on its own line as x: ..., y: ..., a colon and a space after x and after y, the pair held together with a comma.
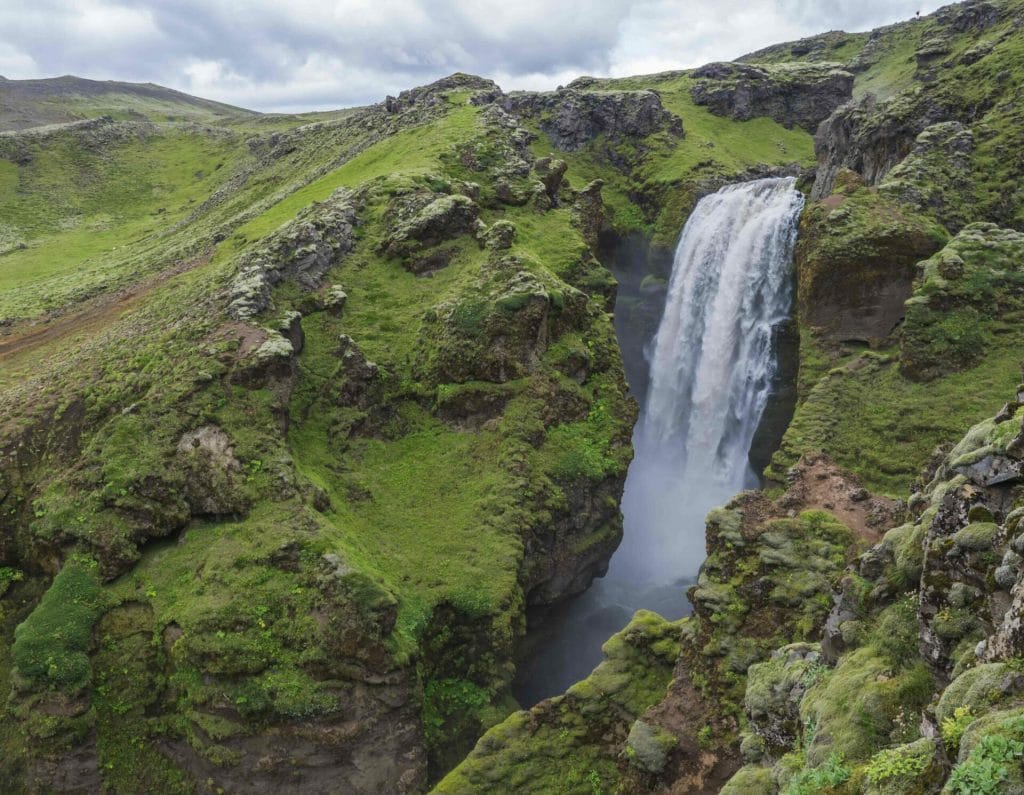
x: 855, y: 624
x: 302, y: 414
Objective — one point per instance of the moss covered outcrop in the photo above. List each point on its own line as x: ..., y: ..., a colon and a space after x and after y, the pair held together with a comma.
x: 579, y: 741
x: 967, y: 294
x: 801, y: 94
x: 301, y: 414
x: 856, y: 262
x: 363, y: 486
x: 922, y: 651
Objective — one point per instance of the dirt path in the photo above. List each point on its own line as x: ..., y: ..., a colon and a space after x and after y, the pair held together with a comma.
x: 819, y: 483
x: 95, y: 314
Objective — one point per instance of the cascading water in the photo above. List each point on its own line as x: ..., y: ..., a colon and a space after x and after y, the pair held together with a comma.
x: 711, y: 370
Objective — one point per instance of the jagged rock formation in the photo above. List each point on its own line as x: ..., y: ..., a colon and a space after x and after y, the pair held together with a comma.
x: 795, y: 94
x: 572, y: 117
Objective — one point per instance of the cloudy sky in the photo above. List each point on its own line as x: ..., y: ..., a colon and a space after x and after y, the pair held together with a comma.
x: 290, y: 55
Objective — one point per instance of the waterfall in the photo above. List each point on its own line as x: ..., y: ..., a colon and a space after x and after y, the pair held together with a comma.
x: 712, y: 365
x: 711, y: 369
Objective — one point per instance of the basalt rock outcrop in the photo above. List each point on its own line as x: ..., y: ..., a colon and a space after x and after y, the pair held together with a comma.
x: 801, y: 94
x: 572, y: 117
x: 303, y: 251
x: 857, y: 258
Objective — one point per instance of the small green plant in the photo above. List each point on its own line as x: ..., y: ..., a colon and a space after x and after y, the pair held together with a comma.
x: 954, y: 726
x: 987, y: 766
x: 895, y: 763
x: 8, y: 577
x: 812, y: 781
x: 704, y: 737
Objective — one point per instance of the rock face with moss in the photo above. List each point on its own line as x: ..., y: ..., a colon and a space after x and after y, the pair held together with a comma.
x: 965, y: 295
x: 577, y: 742
x: 857, y: 257
x: 389, y: 420
x: 803, y: 94
x: 921, y: 645
x: 572, y: 118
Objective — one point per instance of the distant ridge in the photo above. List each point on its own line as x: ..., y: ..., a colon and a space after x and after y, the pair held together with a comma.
x: 32, y: 103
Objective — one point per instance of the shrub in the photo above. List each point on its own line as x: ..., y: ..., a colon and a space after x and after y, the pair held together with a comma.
x: 954, y: 726
x: 811, y: 781
x: 8, y: 576
x: 907, y: 762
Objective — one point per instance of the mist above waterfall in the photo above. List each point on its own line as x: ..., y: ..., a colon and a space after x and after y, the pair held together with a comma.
x: 710, y: 373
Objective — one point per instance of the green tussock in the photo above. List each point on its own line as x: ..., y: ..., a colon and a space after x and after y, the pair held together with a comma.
x: 50, y: 647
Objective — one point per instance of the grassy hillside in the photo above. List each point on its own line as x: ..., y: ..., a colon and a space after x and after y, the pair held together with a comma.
x: 57, y: 100
x: 300, y: 414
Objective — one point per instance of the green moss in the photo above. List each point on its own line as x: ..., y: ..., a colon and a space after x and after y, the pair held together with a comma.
x: 863, y: 705
x: 960, y: 300
x: 570, y: 744
x: 585, y: 449
x: 8, y: 576
x: 977, y: 536
x: 883, y: 426
x: 749, y: 780
x: 51, y: 646
x: 975, y: 691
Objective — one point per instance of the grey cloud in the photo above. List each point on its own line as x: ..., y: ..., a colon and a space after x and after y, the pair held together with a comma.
x: 309, y: 54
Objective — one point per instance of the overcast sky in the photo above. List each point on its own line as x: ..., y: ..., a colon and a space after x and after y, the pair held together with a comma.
x: 290, y: 55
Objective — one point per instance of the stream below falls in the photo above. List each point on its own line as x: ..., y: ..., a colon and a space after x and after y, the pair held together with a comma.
x: 710, y: 373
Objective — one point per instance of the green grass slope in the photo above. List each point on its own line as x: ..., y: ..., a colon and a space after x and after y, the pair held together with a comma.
x: 57, y: 100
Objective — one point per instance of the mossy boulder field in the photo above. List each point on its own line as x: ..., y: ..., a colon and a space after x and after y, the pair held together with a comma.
x: 301, y: 416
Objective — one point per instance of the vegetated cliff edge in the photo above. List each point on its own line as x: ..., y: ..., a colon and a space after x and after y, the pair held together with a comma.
x: 360, y: 376
x: 300, y: 415
x: 855, y: 625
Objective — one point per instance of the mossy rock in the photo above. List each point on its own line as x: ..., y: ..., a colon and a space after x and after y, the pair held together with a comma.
x: 957, y: 304
x: 979, y: 688
x: 856, y: 261
x: 750, y: 780
x: 977, y: 536
x: 648, y: 746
